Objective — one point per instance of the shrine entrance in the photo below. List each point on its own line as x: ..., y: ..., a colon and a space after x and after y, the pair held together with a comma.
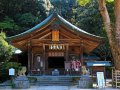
x: 53, y: 43
x: 56, y: 62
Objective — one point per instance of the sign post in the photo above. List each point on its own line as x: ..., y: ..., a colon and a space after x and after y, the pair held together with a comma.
x: 11, y: 71
x: 100, y: 80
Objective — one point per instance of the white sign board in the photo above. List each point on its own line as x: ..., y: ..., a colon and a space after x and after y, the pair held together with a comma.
x: 67, y: 65
x: 11, y: 71
x: 100, y: 79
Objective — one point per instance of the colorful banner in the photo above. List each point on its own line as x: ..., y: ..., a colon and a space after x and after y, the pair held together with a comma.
x: 75, y: 64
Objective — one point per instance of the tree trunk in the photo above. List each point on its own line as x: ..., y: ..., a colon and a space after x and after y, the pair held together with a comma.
x: 117, y: 31
x: 111, y: 34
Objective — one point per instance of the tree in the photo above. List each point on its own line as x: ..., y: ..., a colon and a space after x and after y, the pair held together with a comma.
x: 6, y: 50
x: 112, y: 28
x: 27, y: 19
x: 22, y: 13
x: 44, y: 7
x: 8, y: 25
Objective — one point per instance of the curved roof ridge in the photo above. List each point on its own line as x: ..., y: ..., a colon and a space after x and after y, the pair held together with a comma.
x: 47, y: 20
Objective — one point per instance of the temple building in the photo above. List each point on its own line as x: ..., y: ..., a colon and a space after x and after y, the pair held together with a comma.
x: 54, y: 44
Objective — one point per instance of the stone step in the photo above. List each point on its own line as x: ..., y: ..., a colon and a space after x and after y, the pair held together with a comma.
x: 55, y: 80
x: 58, y: 81
x: 54, y: 84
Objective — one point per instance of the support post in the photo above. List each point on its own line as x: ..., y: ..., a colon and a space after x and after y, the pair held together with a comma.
x: 44, y: 59
x: 67, y: 49
x: 29, y: 58
x: 32, y: 61
x: 81, y: 54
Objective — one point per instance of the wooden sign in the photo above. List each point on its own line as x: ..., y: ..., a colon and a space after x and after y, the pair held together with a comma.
x: 55, y: 35
x: 56, y: 54
x: 56, y: 47
x: 100, y: 80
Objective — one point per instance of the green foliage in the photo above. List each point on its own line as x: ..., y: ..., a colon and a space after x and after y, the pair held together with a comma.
x: 8, y: 23
x: 91, y: 21
x: 5, y: 67
x: 44, y: 8
x: 83, y: 2
x: 6, y: 50
x: 24, y: 14
x: 88, y: 18
x: 27, y: 19
x: 110, y: 0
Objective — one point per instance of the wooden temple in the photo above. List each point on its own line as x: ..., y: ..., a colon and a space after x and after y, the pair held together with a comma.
x: 53, y: 42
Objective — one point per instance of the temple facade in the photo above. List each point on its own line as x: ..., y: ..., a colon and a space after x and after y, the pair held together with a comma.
x: 55, y: 44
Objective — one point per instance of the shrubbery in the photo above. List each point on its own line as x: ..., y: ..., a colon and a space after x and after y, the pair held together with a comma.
x: 6, y: 52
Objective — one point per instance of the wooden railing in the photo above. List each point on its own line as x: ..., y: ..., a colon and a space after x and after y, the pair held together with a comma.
x: 116, y: 78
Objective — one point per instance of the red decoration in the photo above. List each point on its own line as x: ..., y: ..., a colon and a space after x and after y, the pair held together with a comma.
x: 75, y: 64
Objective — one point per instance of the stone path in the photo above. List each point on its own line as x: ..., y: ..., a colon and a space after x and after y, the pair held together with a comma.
x: 109, y: 87
x: 55, y: 88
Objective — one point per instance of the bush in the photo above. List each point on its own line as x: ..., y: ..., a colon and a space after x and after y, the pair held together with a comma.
x: 4, y: 70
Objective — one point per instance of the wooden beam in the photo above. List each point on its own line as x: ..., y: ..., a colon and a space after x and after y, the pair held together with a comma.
x: 68, y: 33
x: 45, y: 36
x: 41, y: 33
x: 39, y: 40
x: 37, y: 44
x: 65, y: 35
x: 17, y: 39
x: 90, y: 43
x: 30, y: 36
x: 82, y: 35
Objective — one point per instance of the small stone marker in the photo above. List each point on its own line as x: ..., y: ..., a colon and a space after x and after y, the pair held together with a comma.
x: 85, y: 82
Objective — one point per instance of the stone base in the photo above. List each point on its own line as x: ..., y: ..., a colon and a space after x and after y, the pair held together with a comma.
x: 85, y: 82
x: 21, y: 82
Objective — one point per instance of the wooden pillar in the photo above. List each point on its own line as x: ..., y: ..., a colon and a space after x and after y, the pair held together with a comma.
x: 32, y: 61
x: 29, y: 58
x: 44, y: 59
x: 67, y: 51
x: 81, y: 53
